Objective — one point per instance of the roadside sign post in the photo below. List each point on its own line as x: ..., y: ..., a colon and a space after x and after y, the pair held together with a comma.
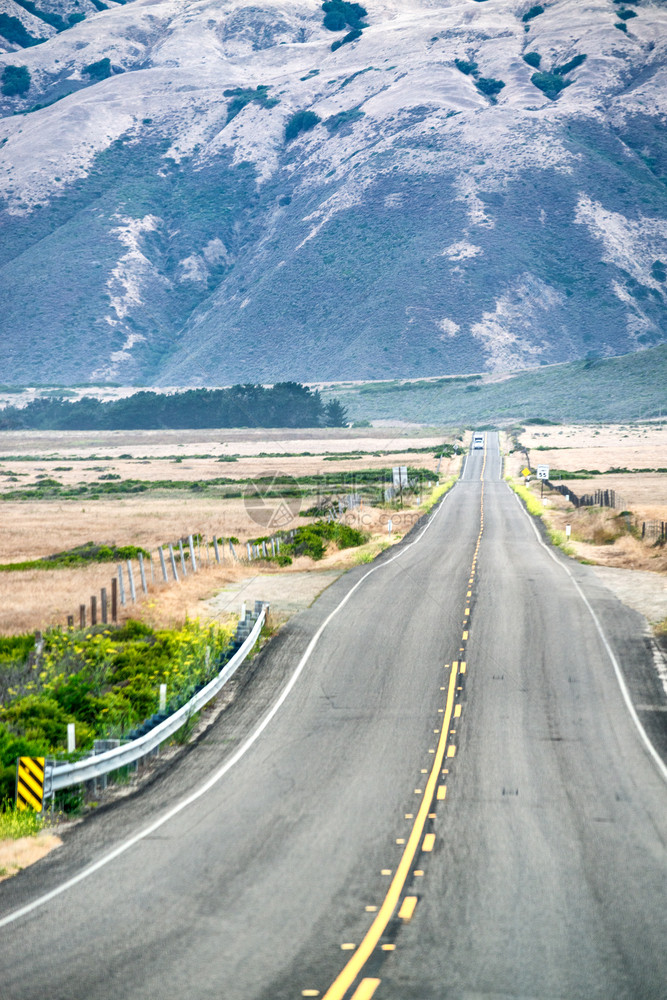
x: 399, y: 475
x: 542, y: 474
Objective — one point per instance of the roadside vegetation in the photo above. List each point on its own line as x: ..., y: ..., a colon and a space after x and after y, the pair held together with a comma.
x: 17, y: 823
x: 536, y: 508
x: 80, y: 555
x: 105, y: 680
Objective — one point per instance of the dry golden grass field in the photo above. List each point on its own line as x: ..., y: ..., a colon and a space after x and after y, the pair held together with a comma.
x: 33, y: 528
x: 602, y: 535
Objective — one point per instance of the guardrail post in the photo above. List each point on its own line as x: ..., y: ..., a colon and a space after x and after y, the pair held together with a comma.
x: 182, y: 552
x: 130, y: 577
x: 121, y: 586
x: 143, y: 574
x: 191, y: 545
x: 216, y: 550
x: 103, y: 595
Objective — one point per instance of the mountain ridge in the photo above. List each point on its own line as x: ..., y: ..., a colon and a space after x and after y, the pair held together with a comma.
x: 158, y: 227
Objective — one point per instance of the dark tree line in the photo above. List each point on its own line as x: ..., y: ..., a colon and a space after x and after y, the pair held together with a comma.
x: 286, y: 404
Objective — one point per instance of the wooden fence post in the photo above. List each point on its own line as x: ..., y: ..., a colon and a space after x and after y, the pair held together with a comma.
x: 103, y: 595
x: 114, y: 600
x: 93, y: 610
x: 82, y: 615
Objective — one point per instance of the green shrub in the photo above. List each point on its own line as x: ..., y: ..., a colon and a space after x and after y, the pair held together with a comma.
x: 334, y: 20
x: 343, y: 118
x: 339, y: 13
x: 469, y: 68
x: 80, y: 555
x: 569, y: 66
x: 533, y: 12
x: 104, y: 680
x: 550, y: 84
x: 99, y: 70
x: 311, y: 539
x: 15, y: 80
x: 41, y: 717
x: 301, y: 121
x: 659, y: 271
x: 13, y: 30
x: 350, y: 37
x: 489, y: 86
x: 242, y: 96
x: 16, y: 648
x: 55, y: 20
x: 626, y: 15
x: 621, y: 25
x: 533, y: 59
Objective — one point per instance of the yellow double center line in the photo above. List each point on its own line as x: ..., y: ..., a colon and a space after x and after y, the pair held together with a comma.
x: 351, y: 971
x: 345, y: 979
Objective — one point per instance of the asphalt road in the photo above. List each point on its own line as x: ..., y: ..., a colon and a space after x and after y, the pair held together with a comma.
x: 424, y: 815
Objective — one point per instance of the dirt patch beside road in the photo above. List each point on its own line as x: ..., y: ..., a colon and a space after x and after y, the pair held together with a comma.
x: 18, y: 854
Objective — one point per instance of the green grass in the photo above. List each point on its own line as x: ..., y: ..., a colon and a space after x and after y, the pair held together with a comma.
x: 605, y: 390
x: 536, y: 509
x: 16, y: 823
x: 532, y: 504
x: 80, y: 555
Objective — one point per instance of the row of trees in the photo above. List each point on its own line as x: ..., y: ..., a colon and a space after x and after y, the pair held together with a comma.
x: 286, y: 404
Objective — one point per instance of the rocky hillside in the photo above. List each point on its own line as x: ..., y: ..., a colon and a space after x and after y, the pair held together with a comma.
x: 214, y: 191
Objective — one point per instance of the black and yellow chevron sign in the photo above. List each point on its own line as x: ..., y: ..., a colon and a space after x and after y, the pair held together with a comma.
x: 30, y: 783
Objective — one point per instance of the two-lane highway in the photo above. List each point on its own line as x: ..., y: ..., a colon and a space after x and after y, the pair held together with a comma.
x: 448, y: 798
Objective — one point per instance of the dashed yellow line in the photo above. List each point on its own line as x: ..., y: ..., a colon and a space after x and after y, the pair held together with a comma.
x: 407, y: 908
x: 365, y: 989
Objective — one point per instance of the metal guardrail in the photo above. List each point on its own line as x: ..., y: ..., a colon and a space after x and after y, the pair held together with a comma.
x: 77, y: 772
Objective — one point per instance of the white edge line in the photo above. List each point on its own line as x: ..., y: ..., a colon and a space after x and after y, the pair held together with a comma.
x: 657, y: 759
x: 228, y: 765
